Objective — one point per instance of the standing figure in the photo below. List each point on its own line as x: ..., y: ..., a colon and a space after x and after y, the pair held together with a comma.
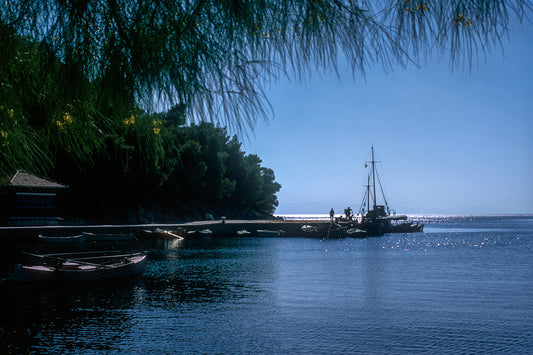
x: 331, y: 215
x: 348, y: 213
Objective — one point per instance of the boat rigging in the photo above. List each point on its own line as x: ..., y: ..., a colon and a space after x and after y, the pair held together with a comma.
x: 378, y: 219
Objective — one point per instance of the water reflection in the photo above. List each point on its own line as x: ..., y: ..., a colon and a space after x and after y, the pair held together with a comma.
x: 164, y: 244
x: 58, y: 318
x: 205, y: 270
x: 372, y: 271
x: 431, y: 292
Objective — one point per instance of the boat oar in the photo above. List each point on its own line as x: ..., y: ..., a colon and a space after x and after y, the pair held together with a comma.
x: 83, y: 253
x: 105, y: 256
x: 65, y: 260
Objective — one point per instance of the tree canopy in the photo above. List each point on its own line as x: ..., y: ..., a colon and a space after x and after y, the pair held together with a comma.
x: 216, y: 57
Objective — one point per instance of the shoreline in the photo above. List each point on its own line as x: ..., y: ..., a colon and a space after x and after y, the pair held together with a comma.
x: 219, y: 228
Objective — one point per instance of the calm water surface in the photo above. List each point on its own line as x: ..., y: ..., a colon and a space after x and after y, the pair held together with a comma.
x: 463, y: 286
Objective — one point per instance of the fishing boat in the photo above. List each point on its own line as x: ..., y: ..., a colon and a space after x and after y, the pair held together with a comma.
x: 63, y: 268
x: 380, y: 219
x: 63, y: 240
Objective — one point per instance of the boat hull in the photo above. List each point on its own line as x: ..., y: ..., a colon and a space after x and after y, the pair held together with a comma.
x: 101, y: 237
x: 270, y: 233
x: 323, y: 231
x: 160, y: 234
x: 63, y: 240
x: 74, y: 272
x: 404, y: 228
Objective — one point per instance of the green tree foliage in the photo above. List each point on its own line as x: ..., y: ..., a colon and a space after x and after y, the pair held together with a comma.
x: 174, y: 165
x: 42, y: 116
x: 80, y: 79
x: 46, y: 128
x: 178, y: 164
x: 212, y: 167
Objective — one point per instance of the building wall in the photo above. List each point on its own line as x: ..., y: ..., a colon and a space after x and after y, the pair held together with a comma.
x: 27, y: 203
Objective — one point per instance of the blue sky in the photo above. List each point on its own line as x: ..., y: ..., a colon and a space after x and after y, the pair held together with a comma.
x: 450, y: 142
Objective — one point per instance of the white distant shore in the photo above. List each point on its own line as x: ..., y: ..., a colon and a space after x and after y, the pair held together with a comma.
x: 325, y: 216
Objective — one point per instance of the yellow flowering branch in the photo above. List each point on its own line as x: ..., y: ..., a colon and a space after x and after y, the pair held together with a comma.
x: 157, y: 126
x: 4, y: 135
x: 129, y: 121
x: 65, y: 120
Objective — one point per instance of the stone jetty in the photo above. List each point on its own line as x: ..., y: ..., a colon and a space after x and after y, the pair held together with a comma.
x: 219, y: 228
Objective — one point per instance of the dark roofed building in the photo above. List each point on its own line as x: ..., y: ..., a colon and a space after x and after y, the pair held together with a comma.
x: 29, y: 199
x: 23, y: 179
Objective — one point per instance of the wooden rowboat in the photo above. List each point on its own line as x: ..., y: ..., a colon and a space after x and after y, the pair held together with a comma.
x: 103, y: 237
x: 270, y: 233
x: 81, y: 270
x: 356, y: 233
x: 160, y: 234
x: 205, y: 233
x: 62, y: 240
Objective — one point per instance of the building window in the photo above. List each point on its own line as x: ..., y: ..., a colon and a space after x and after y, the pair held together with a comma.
x: 35, y: 200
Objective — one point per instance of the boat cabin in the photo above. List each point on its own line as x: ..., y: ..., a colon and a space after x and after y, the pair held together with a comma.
x: 26, y: 199
x: 377, y: 212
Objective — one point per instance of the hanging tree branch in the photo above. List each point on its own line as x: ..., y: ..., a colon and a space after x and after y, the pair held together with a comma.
x: 216, y: 57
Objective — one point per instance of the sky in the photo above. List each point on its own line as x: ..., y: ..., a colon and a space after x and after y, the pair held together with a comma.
x: 449, y: 141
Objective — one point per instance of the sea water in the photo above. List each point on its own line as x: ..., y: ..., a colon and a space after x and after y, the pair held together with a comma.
x: 465, y: 285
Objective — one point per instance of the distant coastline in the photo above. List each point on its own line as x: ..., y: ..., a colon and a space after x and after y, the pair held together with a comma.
x: 325, y: 216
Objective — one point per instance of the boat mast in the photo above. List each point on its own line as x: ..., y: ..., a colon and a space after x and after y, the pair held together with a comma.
x: 373, y: 177
x: 368, y: 193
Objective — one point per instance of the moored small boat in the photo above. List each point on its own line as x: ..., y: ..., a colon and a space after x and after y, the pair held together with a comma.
x: 406, y: 227
x: 62, y: 240
x: 103, y: 237
x: 356, y: 233
x: 323, y: 231
x: 80, y: 269
x: 205, y: 233
x: 161, y: 234
x: 243, y: 233
x: 270, y: 233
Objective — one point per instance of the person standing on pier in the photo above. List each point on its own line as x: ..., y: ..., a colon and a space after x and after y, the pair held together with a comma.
x: 348, y: 213
x: 331, y: 215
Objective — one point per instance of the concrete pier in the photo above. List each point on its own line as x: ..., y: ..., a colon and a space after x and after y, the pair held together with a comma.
x: 227, y: 228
